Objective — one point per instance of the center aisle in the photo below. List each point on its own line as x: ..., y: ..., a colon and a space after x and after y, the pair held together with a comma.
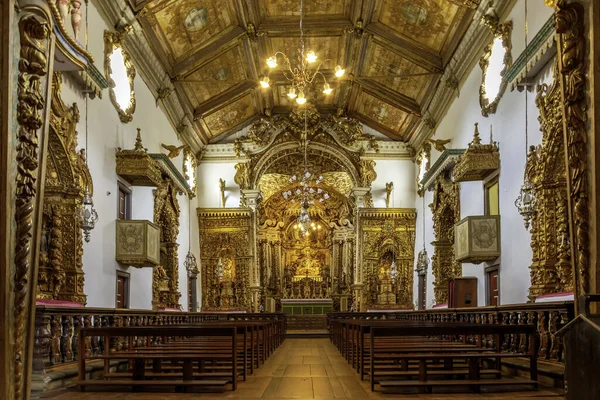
x: 303, y: 369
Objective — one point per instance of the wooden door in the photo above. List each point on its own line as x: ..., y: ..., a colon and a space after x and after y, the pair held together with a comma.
x: 493, y: 289
x: 121, y: 292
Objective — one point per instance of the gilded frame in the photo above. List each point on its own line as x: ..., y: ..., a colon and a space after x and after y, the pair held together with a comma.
x: 112, y: 41
x: 186, y: 172
x: 501, y: 31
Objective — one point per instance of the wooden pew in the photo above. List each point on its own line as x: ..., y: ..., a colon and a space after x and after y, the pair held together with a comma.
x: 389, y: 350
x: 220, y: 350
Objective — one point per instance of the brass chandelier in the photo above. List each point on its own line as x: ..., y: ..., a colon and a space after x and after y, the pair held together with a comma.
x: 299, y: 74
x: 308, y: 191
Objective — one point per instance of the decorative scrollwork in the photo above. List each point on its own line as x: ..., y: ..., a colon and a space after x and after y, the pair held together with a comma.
x: 570, y: 28
x: 34, y: 31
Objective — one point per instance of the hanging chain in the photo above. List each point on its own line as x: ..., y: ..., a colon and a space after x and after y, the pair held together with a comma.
x: 423, y: 218
x: 526, y: 84
x: 301, y: 31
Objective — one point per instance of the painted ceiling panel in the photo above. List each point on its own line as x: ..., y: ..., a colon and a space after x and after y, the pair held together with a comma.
x: 231, y: 115
x: 279, y: 8
x: 185, y: 26
x: 215, y: 77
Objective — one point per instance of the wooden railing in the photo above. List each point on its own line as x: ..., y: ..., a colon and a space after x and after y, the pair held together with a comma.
x: 57, y: 329
x: 548, y: 317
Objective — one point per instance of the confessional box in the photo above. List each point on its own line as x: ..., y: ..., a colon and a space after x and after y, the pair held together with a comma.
x: 477, y: 239
x: 462, y: 292
x: 582, y: 353
x: 138, y: 243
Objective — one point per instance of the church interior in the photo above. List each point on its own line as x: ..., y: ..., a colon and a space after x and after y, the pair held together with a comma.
x: 299, y: 199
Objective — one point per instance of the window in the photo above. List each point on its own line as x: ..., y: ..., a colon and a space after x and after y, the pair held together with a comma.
x: 492, y: 286
x: 492, y: 197
x: 190, y: 164
x: 122, y: 300
x: 120, y: 74
x: 124, y: 202
x: 495, y: 62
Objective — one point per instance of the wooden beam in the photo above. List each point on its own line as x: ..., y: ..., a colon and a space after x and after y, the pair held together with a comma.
x: 420, y: 55
x: 202, y: 55
x: 389, y: 96
x: 223, y: 99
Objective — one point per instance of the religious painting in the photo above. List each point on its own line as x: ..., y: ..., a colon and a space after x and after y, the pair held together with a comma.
x: 430, y: 23
x: 215, y: 77
x: 382, y: 113
x: 230, y: 116
x: 395, y: 72
x: 184, y: 26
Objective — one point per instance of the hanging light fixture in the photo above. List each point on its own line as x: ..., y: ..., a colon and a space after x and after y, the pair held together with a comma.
x: 423, y: 258
x: 526, y: 202
x: 309, y: 191
x: 299, y: 74
x: 190, y: 260
x: 88, y: 215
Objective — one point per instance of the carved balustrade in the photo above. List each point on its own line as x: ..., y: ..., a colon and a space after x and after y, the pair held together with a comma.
x: 57, y: 329
x: 548, y: 317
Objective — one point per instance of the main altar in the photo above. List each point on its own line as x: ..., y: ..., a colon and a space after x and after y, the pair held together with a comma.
x: 306, y: 236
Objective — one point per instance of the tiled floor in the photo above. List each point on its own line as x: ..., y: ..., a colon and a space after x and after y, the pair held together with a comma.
x: 303, y: 369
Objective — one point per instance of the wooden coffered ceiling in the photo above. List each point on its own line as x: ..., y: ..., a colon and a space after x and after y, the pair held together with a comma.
x: 394, y: 52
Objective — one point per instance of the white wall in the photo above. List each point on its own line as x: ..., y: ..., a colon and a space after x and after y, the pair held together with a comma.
x: 209, y: 192
x: 402, y: 174
x: 509, y: 131
x: 106, y: 133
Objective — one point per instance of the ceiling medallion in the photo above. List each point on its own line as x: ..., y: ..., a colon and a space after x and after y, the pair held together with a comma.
x: 299, y: 74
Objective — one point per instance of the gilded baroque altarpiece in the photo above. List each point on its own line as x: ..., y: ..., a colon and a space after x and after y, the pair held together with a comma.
x: 278, y: 261
x: 60, y: 275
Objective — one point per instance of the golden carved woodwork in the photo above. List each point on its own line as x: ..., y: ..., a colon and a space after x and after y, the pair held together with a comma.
x: 227, y: 258
x: 571, y: 39
x: 446, y: 213
x: 166, y: 216
x: 478, y: 161
x: 112, y: 42
x: 423, y: 165
x: 35, y: 27
x: 60, y: 275
x: 477, y: 239
x: 551, y: 269
x: 502, y: 32
x: 387, y: 239
x: 136, y: 166
x: 466, y: 3
x: 137, y: 243
x: 306, y: 262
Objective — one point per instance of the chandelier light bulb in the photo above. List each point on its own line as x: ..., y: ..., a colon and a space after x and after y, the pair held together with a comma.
x: 339, y: 72
x: 292, y: 93
x: 327, y: 89
x: 272, y: 62
x: 311, y: 57
x: 264, y: 82
x: 301, y: 99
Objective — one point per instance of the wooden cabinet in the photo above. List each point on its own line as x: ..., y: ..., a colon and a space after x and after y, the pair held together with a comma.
x: 462, y: 292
